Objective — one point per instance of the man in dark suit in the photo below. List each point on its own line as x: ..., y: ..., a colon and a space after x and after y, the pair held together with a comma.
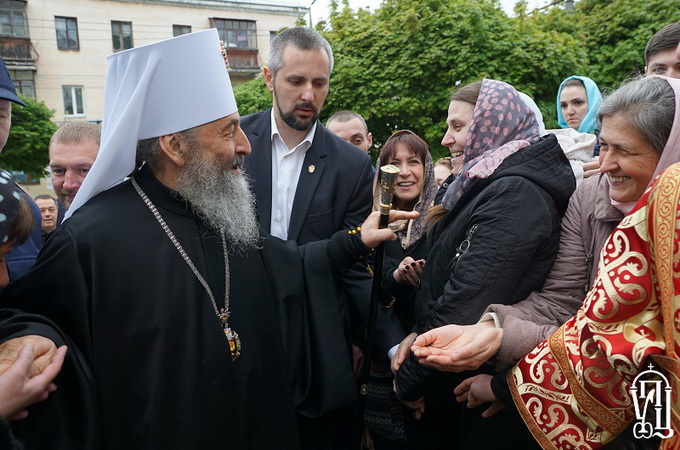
x: 308, y: 183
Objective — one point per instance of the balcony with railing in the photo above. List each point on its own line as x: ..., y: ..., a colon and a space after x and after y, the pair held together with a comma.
x: 15, y: 49
x: 243, y: 60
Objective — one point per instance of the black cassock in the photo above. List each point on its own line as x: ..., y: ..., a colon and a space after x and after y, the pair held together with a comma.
x: 148, y: 364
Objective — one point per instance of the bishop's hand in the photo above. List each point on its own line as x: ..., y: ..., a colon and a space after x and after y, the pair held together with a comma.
x: 372, y: 235
x: 43, y: 351
x: 18, y: 389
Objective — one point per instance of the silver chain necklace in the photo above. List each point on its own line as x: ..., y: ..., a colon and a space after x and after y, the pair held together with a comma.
x: 222, y: 314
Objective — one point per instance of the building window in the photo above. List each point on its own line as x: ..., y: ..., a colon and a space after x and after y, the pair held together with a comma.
x: 23, y: 82
x: 67, y: 33
x: 178, y: 30
x: 13, y: 19
x: 73, y: 100
x: 24, y: 177
x: 121, y: 33
x: 236, y: 33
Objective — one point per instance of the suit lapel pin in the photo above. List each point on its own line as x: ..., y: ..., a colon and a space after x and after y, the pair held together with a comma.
x: 311, y: 168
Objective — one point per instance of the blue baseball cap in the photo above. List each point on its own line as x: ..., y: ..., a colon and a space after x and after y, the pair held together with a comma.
x: 7, y: 91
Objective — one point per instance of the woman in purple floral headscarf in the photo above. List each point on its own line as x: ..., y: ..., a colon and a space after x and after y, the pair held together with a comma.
x: 501, y: 125
x: 494, y: 237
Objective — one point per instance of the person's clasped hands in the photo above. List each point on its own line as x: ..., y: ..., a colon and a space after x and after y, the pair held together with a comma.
x: 591, y: 168
x: 409, y: 271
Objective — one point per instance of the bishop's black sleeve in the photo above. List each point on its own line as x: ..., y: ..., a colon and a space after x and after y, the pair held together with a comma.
x: 7, y: 440
x: 54, y: 292
x: 309, y: 311
x: 344, y: 251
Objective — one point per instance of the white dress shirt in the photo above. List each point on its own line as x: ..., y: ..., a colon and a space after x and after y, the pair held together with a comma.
x: 286, y: 166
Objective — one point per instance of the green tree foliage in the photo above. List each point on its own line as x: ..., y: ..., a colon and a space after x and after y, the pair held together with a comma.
x: 398, y: 65
x: 27, y: 147
x: 252, y: 96
x: 615, y: 33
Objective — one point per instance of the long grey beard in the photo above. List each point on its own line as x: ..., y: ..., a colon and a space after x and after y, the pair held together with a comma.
x: 221, y: 198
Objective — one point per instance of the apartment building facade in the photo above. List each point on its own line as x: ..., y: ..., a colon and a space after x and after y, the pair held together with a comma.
x: 56, y: 49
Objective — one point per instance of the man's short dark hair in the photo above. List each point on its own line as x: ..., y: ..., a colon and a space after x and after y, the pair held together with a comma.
x: 667, y: 37
x: 346, y: 116
x: 303, y: 38
x: 45, y: 197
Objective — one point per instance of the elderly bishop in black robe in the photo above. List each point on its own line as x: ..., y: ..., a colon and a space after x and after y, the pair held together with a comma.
x: 186, y: 328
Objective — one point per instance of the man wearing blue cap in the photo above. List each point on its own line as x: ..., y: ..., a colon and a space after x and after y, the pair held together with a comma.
x: 21, y: 258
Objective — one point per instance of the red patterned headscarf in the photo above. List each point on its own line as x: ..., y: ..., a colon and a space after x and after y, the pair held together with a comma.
x: 574, y: 390
x: 502, y: 124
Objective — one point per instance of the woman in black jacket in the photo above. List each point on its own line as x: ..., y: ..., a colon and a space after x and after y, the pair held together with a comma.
x: 494, y: 238
x: 414, y: 191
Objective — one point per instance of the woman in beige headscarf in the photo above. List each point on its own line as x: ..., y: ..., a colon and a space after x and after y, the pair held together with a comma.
x: 404, y: 258
x: 414, y: 191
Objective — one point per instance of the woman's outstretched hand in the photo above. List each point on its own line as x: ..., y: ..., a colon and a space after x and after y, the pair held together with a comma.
x: 455, y: 348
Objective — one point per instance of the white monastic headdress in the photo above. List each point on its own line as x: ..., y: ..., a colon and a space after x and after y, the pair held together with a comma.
x: 154, y: 90
x: 537, y: 112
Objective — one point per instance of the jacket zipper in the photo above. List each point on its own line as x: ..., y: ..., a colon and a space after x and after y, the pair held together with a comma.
x: 589, y: 258
x: 463, y: 248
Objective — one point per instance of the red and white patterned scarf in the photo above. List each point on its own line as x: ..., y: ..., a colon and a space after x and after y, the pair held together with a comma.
x: 573, y: 390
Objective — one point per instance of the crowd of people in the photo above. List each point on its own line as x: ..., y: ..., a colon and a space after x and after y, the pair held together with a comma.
x: 528, y: 278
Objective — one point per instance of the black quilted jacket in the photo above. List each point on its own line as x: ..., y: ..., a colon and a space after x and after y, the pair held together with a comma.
x: 496, y: 246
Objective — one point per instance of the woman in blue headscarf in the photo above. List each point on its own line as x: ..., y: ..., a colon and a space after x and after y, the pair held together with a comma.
x: 577, y: 103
